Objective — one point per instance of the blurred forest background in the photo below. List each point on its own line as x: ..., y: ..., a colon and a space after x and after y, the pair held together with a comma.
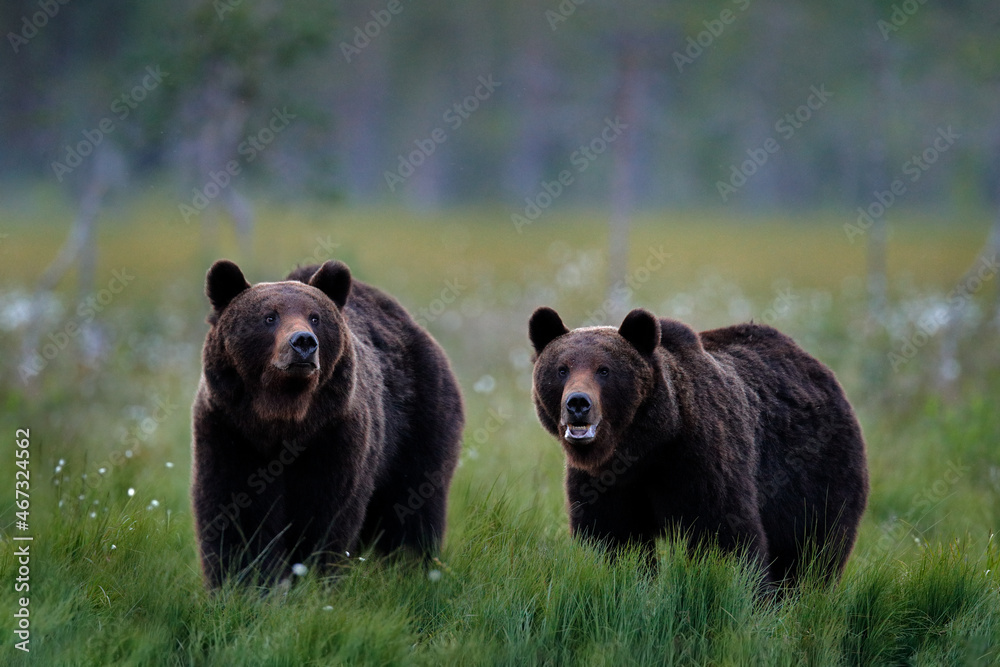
x: 832, y: 169
x: 866, y: 110
x: 698, y: 85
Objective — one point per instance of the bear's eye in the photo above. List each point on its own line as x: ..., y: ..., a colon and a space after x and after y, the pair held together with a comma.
x: 563, y: 371
x: 603, y: 371
x: 271, y: 319
x: 314, y: 319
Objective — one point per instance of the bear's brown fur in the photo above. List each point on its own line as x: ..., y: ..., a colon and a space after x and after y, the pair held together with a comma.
x: 735, y: 436
x: 322, y: 412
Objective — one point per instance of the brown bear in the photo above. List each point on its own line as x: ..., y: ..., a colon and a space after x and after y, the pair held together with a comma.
x: 734, y: 436
x: 325, y: 419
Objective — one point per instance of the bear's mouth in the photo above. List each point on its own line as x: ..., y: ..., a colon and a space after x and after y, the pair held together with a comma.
x: 580, y: 434
x: 299, y: 368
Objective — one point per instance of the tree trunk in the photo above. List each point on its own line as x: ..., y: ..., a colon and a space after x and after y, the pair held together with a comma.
x: 948, y: 367
x: 217, y: 119
x: 361, y: 114
x: 877, y: 260
x: 536, y: 132
x: 623, y: 174
x: 80, y: 248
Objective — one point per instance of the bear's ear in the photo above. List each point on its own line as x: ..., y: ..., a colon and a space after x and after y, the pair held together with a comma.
x: 302, y: 274
x: 223, y: 283
x: 545, y: 326
x: 334, y: 280
x: 642, y: 329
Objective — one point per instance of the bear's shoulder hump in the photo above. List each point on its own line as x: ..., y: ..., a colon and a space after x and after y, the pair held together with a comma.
x: 676, y: 336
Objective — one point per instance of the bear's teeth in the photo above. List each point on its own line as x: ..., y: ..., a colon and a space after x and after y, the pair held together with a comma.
x: 580, y: 432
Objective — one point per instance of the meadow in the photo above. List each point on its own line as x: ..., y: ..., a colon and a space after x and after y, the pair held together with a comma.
x: 114, y: 574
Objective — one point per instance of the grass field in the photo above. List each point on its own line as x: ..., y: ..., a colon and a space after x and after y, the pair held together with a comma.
x: 113, y: 571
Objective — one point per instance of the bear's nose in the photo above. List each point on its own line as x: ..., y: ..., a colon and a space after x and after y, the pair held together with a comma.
x: 304, y: 343
x: 578, y: 406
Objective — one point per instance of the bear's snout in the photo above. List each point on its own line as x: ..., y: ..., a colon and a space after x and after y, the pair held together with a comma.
x: 304, y: 343
x: 579, y: 418
x: 578, y: 406
x: 299, y: 353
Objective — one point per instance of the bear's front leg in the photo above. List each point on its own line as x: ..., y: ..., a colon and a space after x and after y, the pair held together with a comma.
x: 331, y: 536
x: 326, y: 517
x: 610, y: 517
x: 735, y: 527
x: 238, y: 521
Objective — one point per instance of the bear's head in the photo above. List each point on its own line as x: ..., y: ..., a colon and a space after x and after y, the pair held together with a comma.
x: 590, y: 382
x: 275, y: 343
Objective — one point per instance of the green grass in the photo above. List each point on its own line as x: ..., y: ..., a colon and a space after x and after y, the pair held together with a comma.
x: 114, y: 577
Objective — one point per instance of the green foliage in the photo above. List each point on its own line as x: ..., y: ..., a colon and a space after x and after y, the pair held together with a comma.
x: 115, y: 577
x: 895, y: 76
